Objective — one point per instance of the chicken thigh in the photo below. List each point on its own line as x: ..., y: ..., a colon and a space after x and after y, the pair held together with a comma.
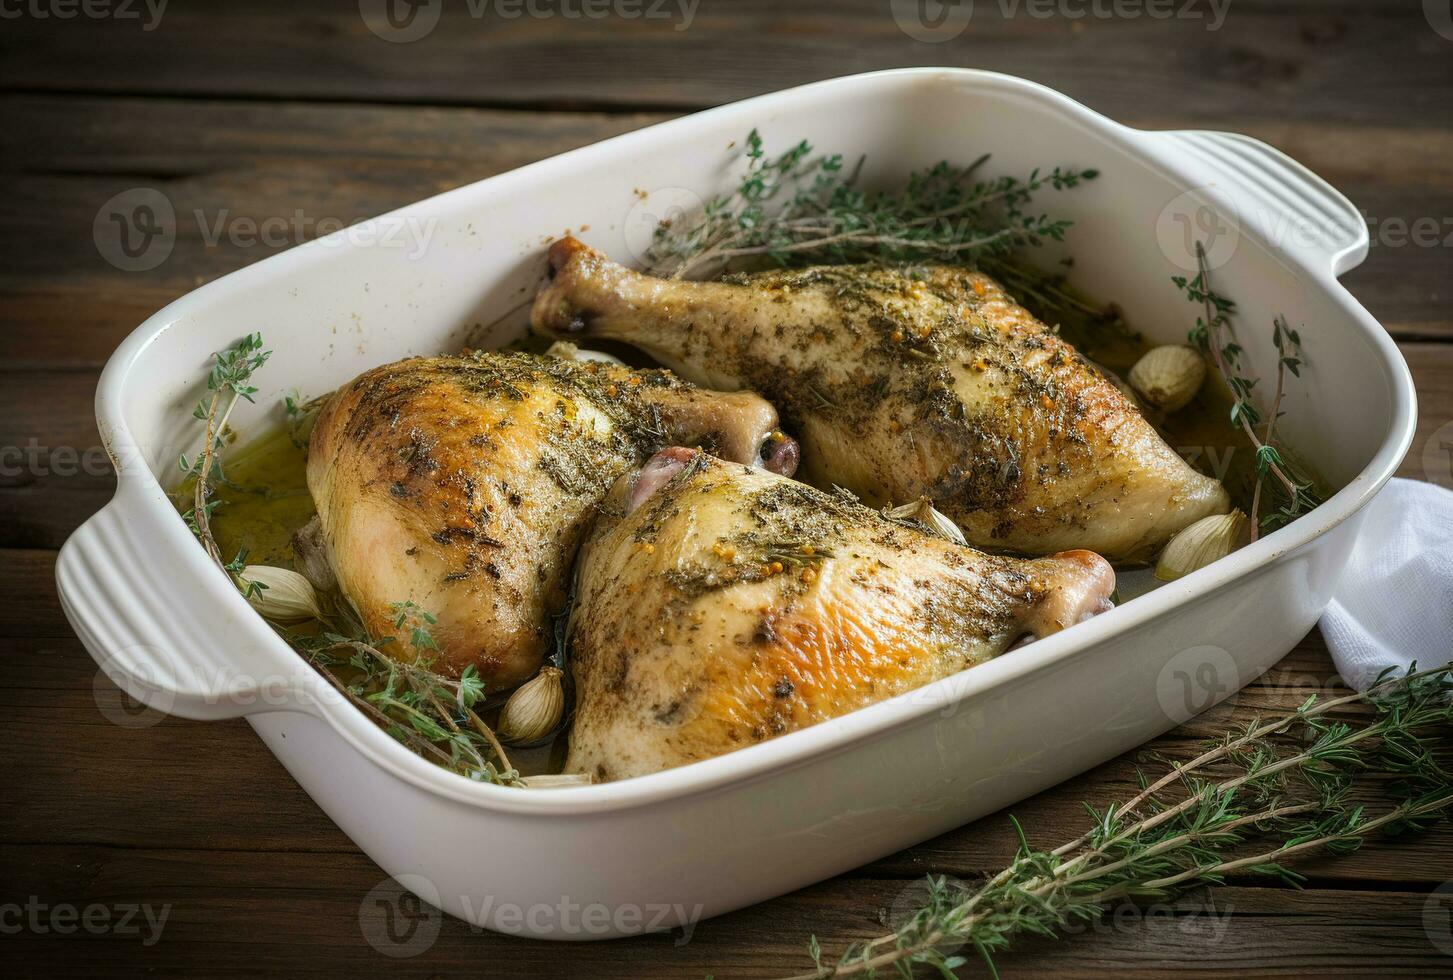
x: 903, y: 384
x: 718, y: 606
x: 463, y: 483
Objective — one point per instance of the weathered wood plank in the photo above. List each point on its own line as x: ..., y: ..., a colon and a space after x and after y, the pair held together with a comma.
x: 202, y: 817
x: 1431, y: 455
x: 28, y: 604
x: 1313, y: 61
x: 61, y: 304
x: 78, y: 737
x: 54, y: 472
x: 225, y: 913
x: 297, y: 166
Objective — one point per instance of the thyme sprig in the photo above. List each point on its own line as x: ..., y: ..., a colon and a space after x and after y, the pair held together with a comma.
x: 1215, y: 336
x: 228, y: 381
x: 799, y: 208
x: 431, y: 713
x: 1289, y: 779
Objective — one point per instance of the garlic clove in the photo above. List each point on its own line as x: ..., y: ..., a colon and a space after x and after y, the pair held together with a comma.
x: 1169, y: 377
x: 1199, y: 544
x: 922, y: 512
x: 533, y: 711
x: 567, y: 351
x: 285, y: 596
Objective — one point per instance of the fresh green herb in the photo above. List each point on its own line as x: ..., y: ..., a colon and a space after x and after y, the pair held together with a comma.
x: 229, y: 381
x: 797, y: 208
x: 1214, y: 335
x: 432, y: 714
x: 1290, y: 779
x: 301, y: 415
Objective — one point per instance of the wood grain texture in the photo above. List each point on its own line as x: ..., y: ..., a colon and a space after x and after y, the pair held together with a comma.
x: 258, y: 913
x: 1312, y: 60
x: 58, y: 698
x: 272, y: 109
x: 200, y: 819
x: 62, y: 305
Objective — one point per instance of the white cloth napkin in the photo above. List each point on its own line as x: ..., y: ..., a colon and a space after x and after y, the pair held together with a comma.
x: 1394, y: 603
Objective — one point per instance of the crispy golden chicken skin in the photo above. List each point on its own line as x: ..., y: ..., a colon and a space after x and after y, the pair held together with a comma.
x: 464, y: 483
x: 901, y: 384
x: 720, y: 605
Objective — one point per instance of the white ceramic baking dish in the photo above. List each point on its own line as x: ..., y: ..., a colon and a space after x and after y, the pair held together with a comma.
x: 701, y: 840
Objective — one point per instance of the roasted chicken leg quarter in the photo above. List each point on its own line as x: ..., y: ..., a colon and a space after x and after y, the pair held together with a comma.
x: 904, y: 384
x: 718, y: 606
x: 463, y: 484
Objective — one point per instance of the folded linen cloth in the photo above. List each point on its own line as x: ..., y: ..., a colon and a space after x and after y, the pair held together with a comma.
x: 1394, y: 603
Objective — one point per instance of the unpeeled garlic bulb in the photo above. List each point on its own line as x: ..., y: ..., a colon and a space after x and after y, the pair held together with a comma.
x: 1199, y: 544
x: 533, y: 711
x: 285, y: 596
x: 1169, y: 377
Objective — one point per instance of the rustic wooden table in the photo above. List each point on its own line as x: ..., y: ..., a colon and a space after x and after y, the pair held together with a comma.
x: 259, y: 111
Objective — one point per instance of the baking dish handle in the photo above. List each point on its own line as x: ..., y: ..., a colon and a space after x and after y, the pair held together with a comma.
x: 1292, y: 209
x: 166, y: 640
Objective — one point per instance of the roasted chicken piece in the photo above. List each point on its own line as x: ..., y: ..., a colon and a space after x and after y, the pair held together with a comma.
x: 463, y: 484
x: 903, y: 384
x: 718, y: 606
